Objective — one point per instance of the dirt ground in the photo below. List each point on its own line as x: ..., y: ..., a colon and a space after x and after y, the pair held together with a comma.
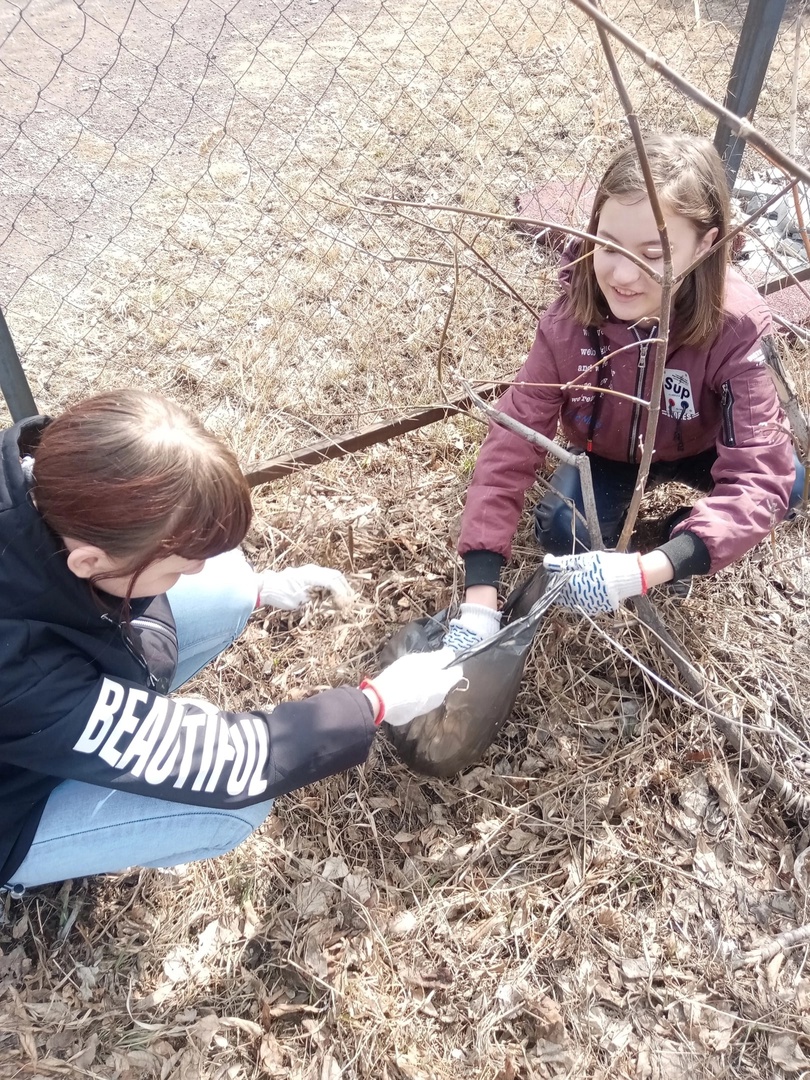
x: 186, y: 207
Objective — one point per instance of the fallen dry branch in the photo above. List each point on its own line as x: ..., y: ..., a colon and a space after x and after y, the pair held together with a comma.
x: 794, y: 803
x: 767, y: 950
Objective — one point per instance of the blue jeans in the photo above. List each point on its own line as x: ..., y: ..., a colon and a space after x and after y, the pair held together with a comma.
x: 559, y: 532
x: 93, y: 830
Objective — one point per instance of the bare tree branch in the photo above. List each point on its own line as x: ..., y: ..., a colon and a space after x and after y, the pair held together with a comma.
x: 654, y: 407
x: 739, y: 126
x: 596, y: 389
x: 513, y: 219
x: 579, y: 461
x: 390, y: 259
x: 496, y: 274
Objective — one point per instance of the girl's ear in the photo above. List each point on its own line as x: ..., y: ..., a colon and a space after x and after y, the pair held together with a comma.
x: 86, y: 560
x: 707, y: 241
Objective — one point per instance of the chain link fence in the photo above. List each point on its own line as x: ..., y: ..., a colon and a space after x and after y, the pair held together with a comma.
x: 186, y: 187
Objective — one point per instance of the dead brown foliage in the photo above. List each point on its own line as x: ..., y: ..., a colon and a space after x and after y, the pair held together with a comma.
x: 589, y: 900
x: 574, y: 905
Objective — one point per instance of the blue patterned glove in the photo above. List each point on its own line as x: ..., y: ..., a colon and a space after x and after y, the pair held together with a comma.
x: 475, y: 623
x: 600, y: 580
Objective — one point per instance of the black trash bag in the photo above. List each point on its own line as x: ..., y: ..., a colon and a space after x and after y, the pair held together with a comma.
x: 455, y: 735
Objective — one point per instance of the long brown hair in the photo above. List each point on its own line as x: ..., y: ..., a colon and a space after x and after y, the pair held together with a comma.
x: 690, y: 181
x: 141, y: 478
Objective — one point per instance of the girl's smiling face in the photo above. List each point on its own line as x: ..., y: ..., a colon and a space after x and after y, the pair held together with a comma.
x: 631, y: 294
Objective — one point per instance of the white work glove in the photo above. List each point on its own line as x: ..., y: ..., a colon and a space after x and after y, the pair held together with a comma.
x: 413, y: 685
x: 290, y: 589
x: 600, y: 581
x: 475, y: 623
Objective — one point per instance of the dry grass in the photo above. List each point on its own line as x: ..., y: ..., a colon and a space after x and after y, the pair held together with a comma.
x: 570, y: 907
x: 196, y: 245
x: 573, y: 906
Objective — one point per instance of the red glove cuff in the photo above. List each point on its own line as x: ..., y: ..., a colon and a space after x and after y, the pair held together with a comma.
x: 643, y: 578
x: 367, y: 684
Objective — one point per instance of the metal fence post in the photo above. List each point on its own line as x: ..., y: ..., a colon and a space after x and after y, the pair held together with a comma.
x: 760, y: 27
x: 13, y: 383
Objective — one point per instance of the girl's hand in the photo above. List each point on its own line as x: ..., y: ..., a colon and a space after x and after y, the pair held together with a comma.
x: 290, y: 589
x: 600, y: 580
x: 412, y: 686
x: 475, y: 623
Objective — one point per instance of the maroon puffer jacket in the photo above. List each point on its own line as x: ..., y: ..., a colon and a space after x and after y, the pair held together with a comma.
x: 721, y: 395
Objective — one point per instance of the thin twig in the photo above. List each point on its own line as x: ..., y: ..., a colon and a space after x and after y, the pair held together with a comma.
x: 446, y: 325
x: 453, y: 235
x: 390, y: 259
x: 511, y: 219
x: 591, y: 519
x: 496, y: 273
x: 596, y: 389
x: 782, y: 732
x: 632, y: 347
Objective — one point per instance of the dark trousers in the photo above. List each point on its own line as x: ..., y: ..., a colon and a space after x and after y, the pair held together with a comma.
x: 613, y: 485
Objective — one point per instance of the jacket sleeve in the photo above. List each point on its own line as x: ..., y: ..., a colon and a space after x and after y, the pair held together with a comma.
x: 117, y: 734
x: 754, y: 470
x: 507, y: 464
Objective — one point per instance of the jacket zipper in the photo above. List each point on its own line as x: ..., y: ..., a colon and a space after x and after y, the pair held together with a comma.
x: 152, y: 624
x: 635, y: 423
x: 150, y: 679
x: 727, y: 406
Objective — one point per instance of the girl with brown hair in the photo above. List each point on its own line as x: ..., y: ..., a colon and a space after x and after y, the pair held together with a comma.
x: 120, y: 578
x: 720, y: 428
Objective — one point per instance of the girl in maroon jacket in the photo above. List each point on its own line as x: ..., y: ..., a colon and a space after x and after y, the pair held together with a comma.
x: 720, y: 429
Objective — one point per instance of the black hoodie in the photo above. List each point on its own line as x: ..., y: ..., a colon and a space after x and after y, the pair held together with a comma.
x: 83, y: 697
